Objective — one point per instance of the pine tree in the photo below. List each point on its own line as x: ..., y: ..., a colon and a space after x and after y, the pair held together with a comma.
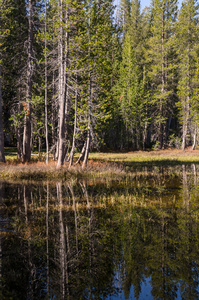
x: 3, y: 31
x: 160, y: 57
x: 123, y: 15
x: 14, y: 73
x: 131, y: 84
x: 186, y: 39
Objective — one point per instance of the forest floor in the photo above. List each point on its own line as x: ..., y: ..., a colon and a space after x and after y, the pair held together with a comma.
x: 99, y: 164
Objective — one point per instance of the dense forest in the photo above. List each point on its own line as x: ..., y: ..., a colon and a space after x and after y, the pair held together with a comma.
x: 88, y: 75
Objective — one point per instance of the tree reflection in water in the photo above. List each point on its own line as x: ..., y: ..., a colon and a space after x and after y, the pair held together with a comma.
x: 92, y: 240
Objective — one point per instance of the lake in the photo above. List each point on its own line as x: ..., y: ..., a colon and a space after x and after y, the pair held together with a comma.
x: 123, y: 237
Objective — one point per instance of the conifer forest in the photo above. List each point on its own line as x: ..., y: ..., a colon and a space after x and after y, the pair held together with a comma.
x: 87, y: 75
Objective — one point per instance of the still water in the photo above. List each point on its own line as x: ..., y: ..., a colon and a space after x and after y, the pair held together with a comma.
x: 125, y: 237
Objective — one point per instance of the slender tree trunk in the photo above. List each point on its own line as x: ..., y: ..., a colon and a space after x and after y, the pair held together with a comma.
x: 87, y: 149
x: 53, y: 120
x: 63, y: 57
x: 185, y: 123
x: 39, y: 150
x: 18, y: 133
x: 194, y: 139
x: 75, y: 126
x: 27, y: 104
x: 89, y: 100
x: 46, y: 88
x: 162, y: 76
x: 2, y: 155
x: 81, y: 154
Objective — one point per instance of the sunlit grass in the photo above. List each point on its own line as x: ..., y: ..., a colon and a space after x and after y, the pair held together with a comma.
x: 149, y: 156
x: 100, y: 165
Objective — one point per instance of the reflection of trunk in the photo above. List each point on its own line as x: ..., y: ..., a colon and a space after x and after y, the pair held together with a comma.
x: 185, y: 188
x: 62, y: 249
x: 91, y: 248
x: 25, y: 204
x: 195, y: 174
x: 1, y: 200
x: 47, y: 240
x: 1, y: 283
x: 31, y: 265
x: 75, y: 215
x: 85, y: 192
x: 163, y: 259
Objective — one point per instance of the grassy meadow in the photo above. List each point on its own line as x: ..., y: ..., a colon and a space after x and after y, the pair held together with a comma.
x: 99, y: 165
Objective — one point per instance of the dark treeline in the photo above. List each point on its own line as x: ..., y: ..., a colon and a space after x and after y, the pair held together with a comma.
x: 84, y: 75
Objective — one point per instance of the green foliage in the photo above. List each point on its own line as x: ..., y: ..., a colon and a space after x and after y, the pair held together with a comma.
x: 131, y: 81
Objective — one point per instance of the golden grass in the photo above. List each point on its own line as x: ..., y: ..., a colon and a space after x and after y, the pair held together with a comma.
x: 99, y: 165
x: 147, y: 156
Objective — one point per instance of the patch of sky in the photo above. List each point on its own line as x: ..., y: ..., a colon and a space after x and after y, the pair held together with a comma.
x: 144, y: 3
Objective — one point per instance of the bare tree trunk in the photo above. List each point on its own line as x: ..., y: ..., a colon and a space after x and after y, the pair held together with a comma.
x: 46, y: 88
x: 75, y: 126
x: 89, y: 102
x: 194, y: 138
x: 27, y: 104
x: 2, y: 155
x: 81, y: 154
x: 63, y: 57
x: 87, y: 149
x: 185, y: 124
x: 39, y: 150
x: 18, y: 133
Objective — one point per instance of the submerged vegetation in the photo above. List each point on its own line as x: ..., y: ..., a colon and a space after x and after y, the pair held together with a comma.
x: 132, y: 236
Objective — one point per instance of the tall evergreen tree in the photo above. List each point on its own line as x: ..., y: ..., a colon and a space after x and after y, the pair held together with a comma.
x: 3, y: 8
x: 131, y: 84
x: 186, y: 40
x: 160, y: 57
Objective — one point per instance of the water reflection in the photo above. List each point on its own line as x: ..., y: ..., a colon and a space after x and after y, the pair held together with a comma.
x: 135, y: 238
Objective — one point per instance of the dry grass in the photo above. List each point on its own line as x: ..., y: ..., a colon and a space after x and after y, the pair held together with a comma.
x: 145, y: 156
x: 99, y: 165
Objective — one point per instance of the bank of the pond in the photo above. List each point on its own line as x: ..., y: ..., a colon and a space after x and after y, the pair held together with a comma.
x: 100, y: 164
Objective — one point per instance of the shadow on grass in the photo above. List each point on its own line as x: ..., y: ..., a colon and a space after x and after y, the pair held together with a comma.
x: 150, y: 163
